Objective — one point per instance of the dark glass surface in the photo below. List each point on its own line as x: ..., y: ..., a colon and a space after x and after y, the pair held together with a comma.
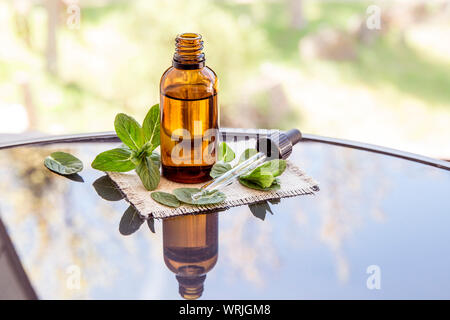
x: 372, y: 209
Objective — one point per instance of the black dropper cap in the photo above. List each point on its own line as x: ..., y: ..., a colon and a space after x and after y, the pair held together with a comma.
x: 294, y: 136
x: 278, y: 145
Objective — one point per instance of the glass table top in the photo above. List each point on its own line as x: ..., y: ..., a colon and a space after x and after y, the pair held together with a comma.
x: 375, y: 215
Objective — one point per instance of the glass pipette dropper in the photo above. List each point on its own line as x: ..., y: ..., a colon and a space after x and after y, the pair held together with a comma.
x: 277, y: 145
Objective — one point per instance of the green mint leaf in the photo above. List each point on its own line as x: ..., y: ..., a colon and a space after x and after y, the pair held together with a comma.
x: 123, y: 145
x: 275, y: 167
x: 265, y: 174
x: 219, y: 169
x: 264, y: 181
x: 137, y: 155
x: 166, y: 199
x: 252, y: 185
x: 225, y: 154
x: 129, y: 131
x: 117, y: 160
x: 156, y: 158
x: 130, y: 221
x: 63, y: 163
x: 151, y: 128
x: 148, y: 172
x: 185, y: 195
x: 247, y: 154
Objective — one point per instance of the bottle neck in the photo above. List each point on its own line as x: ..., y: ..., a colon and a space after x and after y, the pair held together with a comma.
x: 191, y: 287
x: 190, y: 279
x: 188, y: 52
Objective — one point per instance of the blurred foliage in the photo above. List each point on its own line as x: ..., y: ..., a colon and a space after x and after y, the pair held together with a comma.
x: 405, y: 69
x: 114, y: 61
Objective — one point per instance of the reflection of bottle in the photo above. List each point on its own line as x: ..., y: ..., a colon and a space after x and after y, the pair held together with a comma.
x: 190, y: 250
x: 189, y: 113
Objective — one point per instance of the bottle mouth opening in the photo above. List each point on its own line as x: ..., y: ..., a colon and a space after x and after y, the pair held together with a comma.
x: 188, y: 51
x: 189, y: 36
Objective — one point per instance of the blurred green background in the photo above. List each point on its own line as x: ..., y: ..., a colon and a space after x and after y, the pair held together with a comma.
x: 309, y: 64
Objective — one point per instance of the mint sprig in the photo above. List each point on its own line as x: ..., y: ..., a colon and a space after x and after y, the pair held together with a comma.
x: 265, y: 174
x: 138, y: 149
x: 148, y: 172
x: 261, y: 178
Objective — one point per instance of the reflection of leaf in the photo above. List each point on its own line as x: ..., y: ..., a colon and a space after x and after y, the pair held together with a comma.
x: 74, y: 177
x: 130, y: 222
x: 260, y: 209
x: 274, y: 201
x: 107, y: 189
x: 151, y: 224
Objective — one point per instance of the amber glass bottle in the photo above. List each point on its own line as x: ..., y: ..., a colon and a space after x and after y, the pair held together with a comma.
x: 189, y: 113
x: 190, y: 245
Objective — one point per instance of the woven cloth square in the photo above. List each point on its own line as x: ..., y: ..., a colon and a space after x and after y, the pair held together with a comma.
x: 293, y: 182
